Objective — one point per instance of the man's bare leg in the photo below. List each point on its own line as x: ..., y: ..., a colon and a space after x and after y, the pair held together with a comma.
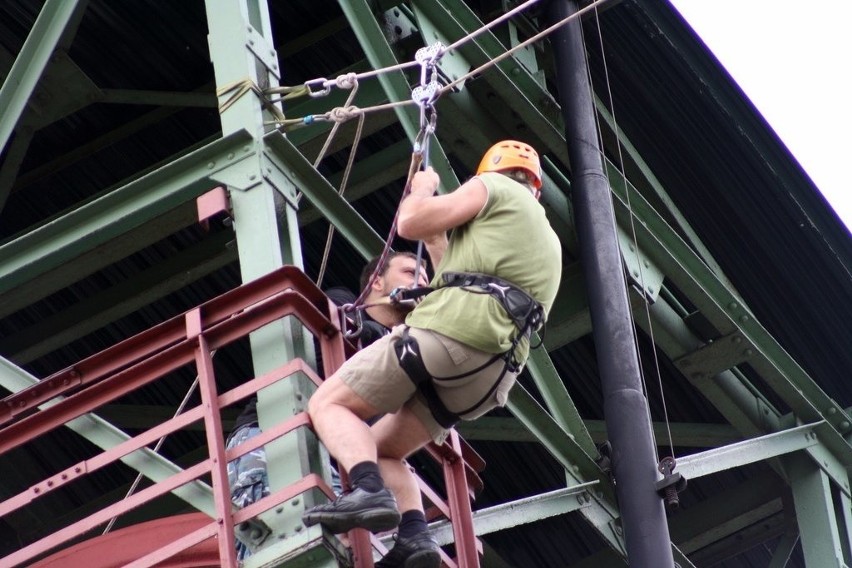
x: 397, y: 437
x: 338, y: 415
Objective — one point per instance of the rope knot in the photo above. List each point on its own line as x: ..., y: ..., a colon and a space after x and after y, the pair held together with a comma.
x: 347, y: 81
x: 342, y: 114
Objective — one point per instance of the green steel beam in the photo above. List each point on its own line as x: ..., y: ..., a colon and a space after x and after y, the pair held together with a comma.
x: 725, y: 514
x: 684, y: 434
x: 158, y: 98
x: 784, y: 549
x: 826, y: 538
x: 557, y: 399
x: 324, y: 197
x: 380, y: 54
x: 113, y: 226
x: 742, y: 405
x: 748, y: 451
x: 46, y: 34
x: 515, y: 513
x: 124, y: 298
x: 570, y: 318
x: 536, y: 108
x: 106, y: 436
x: 579, y: 467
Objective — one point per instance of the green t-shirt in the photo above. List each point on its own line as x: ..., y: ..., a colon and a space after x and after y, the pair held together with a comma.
x: 511, y: 239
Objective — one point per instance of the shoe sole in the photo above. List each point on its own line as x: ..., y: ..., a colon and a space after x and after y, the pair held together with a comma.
x: 418, y: 559
x: 374, y: 520
x: 423, y: 559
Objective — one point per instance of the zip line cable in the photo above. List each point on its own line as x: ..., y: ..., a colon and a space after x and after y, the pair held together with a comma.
x: 622, y: 172
x: 310, y: 119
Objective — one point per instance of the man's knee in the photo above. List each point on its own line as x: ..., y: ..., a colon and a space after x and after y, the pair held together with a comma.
x: 316, y: 403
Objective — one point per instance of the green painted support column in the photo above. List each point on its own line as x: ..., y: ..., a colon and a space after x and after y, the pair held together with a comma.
x: 823, y: 525
x: 264, y: 206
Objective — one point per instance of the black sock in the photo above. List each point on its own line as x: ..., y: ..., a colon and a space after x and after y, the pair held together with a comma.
x: 413, y: 522
x: 366, y: 476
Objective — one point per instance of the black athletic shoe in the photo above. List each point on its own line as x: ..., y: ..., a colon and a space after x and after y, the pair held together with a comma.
x: 419, y: 551
x: 372, y: 511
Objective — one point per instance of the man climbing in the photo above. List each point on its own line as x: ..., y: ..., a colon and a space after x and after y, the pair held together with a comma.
x: 247, y: 475
x: 457, y: 356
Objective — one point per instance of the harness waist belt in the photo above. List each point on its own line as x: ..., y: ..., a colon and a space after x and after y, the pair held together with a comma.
x: 525, y: 312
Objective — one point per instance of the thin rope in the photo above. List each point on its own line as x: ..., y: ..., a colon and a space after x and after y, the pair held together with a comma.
x: 414, y: 166
x: 180, y: 408
x: 341, y: 115
x: 343, y: 183
x: 627, y: 192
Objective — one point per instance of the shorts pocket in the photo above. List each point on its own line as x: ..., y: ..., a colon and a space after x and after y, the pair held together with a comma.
x: 458, y: 353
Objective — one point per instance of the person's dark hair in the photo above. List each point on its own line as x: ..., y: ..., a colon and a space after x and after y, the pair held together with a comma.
x: 368, y: 270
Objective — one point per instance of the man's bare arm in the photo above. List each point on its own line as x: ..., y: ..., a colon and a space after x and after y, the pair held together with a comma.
x: 424, y: 215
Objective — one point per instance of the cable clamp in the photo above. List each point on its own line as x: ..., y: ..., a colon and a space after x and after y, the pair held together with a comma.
x: 671, y: 484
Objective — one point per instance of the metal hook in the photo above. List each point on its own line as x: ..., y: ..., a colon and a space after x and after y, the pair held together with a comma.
x: 322, y: 81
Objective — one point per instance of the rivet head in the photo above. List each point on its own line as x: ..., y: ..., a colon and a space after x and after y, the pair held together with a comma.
x: 844, y: 424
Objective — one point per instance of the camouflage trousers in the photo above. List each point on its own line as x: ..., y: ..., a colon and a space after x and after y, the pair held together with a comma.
x: 247, y: 476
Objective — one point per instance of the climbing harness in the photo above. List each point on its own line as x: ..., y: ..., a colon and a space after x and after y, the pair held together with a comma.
x: 525, y: 312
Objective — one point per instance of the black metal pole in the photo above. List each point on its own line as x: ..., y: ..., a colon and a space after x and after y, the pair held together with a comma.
x: 628, y: 425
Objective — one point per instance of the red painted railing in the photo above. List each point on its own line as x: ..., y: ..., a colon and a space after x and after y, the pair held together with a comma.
x: 192, y: 339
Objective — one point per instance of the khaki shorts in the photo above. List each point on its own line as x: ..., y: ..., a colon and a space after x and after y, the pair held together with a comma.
x: 375, y: 375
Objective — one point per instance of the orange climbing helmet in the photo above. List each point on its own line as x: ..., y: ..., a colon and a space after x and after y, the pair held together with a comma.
x: 509, y: 155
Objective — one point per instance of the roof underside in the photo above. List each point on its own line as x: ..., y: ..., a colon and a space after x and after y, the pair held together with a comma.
x: 743, y: 242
